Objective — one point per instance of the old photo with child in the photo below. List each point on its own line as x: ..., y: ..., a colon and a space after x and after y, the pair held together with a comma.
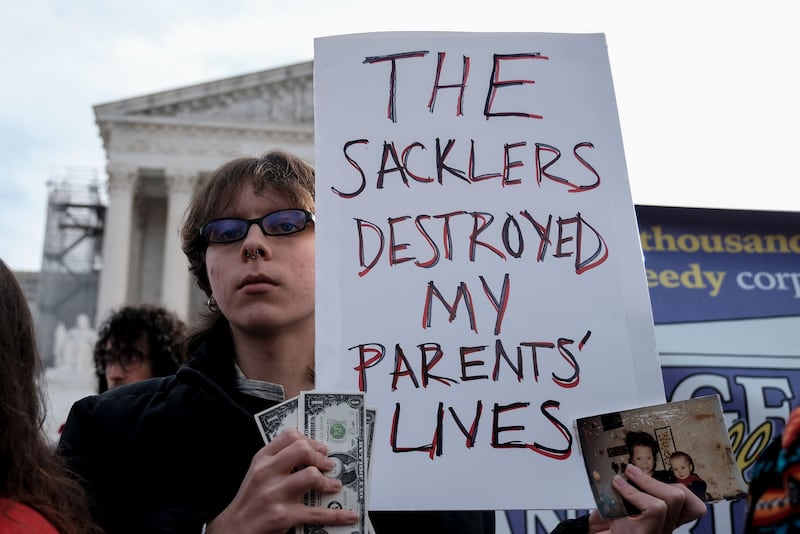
x: 682, y: 442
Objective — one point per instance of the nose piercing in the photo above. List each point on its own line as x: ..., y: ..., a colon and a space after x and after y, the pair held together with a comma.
x: 253, y: 255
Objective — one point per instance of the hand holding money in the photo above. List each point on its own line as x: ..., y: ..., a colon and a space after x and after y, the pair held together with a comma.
x: 341, y: 423
x: 270, y: 498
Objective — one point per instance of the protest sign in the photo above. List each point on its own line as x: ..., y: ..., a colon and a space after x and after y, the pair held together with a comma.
x: 479, y: 273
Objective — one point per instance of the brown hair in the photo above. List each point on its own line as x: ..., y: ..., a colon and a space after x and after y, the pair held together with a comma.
x: 284, y: 172
x: 643, y: 439
x: 30, y: 472
x: 165, y: 333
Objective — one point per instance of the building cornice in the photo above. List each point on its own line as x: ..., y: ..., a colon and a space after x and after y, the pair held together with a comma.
x: 237, y: 85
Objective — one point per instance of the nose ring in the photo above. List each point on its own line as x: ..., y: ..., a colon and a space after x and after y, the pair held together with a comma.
x: 253, y: 255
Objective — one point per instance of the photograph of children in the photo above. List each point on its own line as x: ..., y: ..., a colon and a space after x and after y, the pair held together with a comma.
x: 683, y: 442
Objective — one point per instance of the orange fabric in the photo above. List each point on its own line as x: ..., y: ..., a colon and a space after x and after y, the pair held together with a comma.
x: 17, y: 518
x: 792, y: 429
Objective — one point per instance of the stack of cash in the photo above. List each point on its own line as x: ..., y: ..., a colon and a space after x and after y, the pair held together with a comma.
x: 343, y: 423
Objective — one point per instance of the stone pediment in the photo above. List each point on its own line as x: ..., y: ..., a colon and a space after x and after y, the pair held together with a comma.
x: 271, y: 99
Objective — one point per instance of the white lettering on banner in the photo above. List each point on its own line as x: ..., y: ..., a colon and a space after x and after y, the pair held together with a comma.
x: 765, y: 281
x: 722, y: 520
x: 686, y: 388
x: 755, y: 398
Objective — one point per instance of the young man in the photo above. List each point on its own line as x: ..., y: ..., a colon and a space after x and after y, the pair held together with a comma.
x: 136, y: 343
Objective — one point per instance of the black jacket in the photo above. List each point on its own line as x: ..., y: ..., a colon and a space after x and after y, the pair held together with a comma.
x: 168, y: 454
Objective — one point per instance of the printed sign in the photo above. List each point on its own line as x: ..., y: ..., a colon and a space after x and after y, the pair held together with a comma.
x: 707, y: 265
x: 479, y: 274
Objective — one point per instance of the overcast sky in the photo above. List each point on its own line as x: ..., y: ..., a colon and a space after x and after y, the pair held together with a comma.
x: 706, y: 89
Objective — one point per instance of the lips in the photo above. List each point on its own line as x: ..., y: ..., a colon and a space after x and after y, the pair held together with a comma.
x: 253, y: 279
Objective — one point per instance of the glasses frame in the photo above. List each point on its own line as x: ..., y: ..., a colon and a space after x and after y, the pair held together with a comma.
x: 309, y: 217
x: 108, y: 357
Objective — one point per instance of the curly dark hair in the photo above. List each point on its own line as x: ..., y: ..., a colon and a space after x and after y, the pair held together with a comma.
x: 641, y: 438
x: 165, y: 331
x: 30, y: 473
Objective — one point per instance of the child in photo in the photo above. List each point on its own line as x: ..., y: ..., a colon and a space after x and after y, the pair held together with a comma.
x: 642, y: 452
x: 682, y: 467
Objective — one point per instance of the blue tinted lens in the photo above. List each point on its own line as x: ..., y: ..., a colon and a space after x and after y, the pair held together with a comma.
x: 281, y: 222
x: 225, y: 230
x: 284, y: 222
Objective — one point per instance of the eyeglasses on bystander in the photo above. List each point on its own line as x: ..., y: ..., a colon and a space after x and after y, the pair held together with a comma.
x: 128, y: 358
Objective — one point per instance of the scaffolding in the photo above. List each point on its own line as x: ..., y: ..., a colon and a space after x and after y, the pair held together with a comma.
x: 71, y: 258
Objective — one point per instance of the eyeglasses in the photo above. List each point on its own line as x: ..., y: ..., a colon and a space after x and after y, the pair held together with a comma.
x: 277, y: 223
x: 128, y: 358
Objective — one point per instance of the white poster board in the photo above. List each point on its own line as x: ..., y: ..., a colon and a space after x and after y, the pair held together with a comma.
x: 479, y: 272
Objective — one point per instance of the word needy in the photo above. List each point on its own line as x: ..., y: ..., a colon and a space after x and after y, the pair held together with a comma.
x: 691, y: 278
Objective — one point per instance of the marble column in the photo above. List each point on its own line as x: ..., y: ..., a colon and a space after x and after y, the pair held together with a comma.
x: 114, y: 276
x: 176, y: 281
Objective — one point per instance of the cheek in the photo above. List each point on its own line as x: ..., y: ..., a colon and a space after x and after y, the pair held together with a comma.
x: 213, y: 278
x: 305, y: 267
x: 214, y: 272
x: 310, y: 271
x: 304, y: 290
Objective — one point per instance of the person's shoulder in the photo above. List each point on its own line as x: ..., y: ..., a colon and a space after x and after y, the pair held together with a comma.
x: 150, y: 386
x: 18, y: 518
x: 128, y: 398
x: 126, y: 410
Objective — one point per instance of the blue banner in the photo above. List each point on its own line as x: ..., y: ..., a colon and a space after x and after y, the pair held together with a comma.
x: 708, y: 265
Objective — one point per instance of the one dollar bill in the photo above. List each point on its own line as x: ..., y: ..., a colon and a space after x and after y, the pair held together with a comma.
x: 276, y: 419
x: 338, y: 420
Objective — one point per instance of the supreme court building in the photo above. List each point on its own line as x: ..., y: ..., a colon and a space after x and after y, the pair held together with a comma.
x: 160, y: 146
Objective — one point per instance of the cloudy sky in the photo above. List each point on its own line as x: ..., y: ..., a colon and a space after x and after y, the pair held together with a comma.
x: 706, y: 90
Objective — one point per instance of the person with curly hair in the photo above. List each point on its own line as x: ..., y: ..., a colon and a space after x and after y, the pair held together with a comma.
x: 138, y: 342
x: 37, y: 492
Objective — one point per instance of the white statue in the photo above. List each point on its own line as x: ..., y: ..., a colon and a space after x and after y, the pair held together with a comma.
x: 75, y: 352
x: 59, y: 338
